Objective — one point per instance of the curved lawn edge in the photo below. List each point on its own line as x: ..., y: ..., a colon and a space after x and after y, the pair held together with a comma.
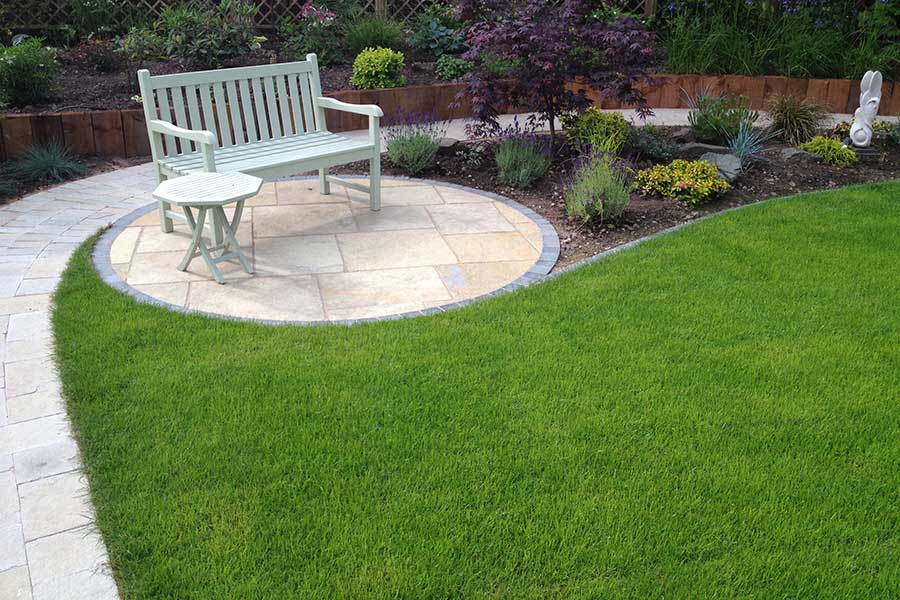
x: 542, y: 267
x: 741, y: 446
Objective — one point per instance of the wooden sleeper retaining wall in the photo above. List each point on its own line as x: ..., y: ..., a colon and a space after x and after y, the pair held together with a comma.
x: 122, y: 133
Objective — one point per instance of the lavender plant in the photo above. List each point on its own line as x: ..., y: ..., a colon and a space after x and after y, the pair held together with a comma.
x: 523, y: 157
x: 413, y: 141
x: 601, y: 188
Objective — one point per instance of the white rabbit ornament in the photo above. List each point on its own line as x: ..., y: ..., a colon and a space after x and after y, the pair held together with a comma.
x: 861, y: 131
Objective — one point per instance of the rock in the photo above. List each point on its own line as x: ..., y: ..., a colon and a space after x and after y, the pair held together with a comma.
x: 796, y: 154
x: 683, y: 135
x: 729, y: 165
x: 695, y: 149
x: 447, y: 145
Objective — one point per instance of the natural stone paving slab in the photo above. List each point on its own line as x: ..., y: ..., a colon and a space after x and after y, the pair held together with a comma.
x: 329, y: 258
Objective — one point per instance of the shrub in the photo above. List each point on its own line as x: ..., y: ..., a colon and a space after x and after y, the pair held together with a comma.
x: 377, y: 68
x: 893, y: 136
x: 207, y: 36
x: 796, y: 120
x: 601, y: 190
x: 596, y: 131
x: 141, y: 44
x: 92, y: 17
x: 374, y: 32
x: 715, y: 119
x: 100, y: 55
x: 52, y: 162
x: 689, y: 182
x: 437, y: 31
x: 748, y: 143
x: 312, y: 31
x: 522, y: 160
x: 27, y: 72
x: 648, y: 142
x: 542, y: 47
x: 450, y: 68
x: 832, y: 151
x: 413, y: 143
x: 842, y: 129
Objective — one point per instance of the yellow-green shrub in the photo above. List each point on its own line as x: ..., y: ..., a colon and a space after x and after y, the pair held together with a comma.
x: 595, y: 130
x: 377, y: 68
x: 832, y: 151
x: 689, y: 182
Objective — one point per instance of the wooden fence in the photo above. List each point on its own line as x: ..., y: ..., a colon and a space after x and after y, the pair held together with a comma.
x: 40, y: 15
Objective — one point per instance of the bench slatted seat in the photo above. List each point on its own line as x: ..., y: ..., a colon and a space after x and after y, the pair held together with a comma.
x: 267, y: 121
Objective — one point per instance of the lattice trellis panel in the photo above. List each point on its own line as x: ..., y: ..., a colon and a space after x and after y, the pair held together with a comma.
x: 53, y: 14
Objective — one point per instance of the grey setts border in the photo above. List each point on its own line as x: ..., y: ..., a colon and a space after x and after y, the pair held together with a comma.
x: 538, y: 271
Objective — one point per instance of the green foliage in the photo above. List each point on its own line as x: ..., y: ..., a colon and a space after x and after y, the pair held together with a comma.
x: 141, y: 44
x: 92, y: 17
x: 716, y: 119
x: 595, y: 130
x: 437, y: 32
x: 601, y: 190
x: 8, y: 188
x: 649, y: 143
x: 100, y: 55
x: 842, y: 129
x: 893, y: 136
x: 451, y: 68
x: 832, y: 151
x: 748, y: 142
x: 206, y: 36
x: 27, y: 73
x: 412, y: 153
x: 689, y: 182
x: 374, y: 32
x: 314, y: 30
x: 522, y: 161
x: 49, y: 163
x: 377, y: 68
x: 796, y: 120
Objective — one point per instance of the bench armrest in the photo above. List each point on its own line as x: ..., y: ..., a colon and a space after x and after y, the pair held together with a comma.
x: 198, y: 136
x: 372, y: 110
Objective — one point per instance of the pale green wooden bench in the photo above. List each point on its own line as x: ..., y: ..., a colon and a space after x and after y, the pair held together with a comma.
x: 267, y: 121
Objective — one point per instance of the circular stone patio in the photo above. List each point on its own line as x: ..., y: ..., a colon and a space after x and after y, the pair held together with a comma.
x: 329, y: 258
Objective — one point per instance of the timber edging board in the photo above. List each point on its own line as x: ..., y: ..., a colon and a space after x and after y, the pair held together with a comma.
x: 122, y: 133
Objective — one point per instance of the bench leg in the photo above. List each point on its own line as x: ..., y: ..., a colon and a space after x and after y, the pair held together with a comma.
x: 324, y: 184
x: 165, y: 221
x: 375, y: 182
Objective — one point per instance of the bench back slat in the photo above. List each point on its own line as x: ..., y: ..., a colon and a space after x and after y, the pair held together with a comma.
x: 240, y: 105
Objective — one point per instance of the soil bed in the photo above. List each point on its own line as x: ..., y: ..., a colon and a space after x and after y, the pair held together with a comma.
x: 768, y: 177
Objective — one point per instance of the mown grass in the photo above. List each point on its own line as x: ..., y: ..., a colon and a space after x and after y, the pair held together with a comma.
x: 712, y: 414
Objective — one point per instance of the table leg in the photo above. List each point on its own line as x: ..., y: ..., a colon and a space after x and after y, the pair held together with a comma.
x: 232, y: 240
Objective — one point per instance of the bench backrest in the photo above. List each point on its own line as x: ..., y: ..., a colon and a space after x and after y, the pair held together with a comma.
x: 241, y: 105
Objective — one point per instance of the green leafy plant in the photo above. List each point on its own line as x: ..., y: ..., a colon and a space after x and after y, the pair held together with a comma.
x: 377, y: 68
x: 832, y: 151
x: 207, y: 36
x: 842, y: 129
x: 437, y: 32
x: 50, y: 162
x: 92, y: 17
x: 648, y: 142
x: 374, y: 32
x: 601, y: 189
x: 313, y: 30
x: 796, y: 120
x: 596, y: 130
x: 893, y: 136
x: 413, y: 143
x: 522, y: 159
x: 451, y: 68
x: 27, y: 73
x: 689, y: 182
x: 142, y: 44
x: 715, y: 119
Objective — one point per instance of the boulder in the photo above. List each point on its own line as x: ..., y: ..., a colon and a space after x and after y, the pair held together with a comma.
x: 729, y: 165
x: 798, y: 155
x: 694, y: 149
x: 683, y: 135
x: 447, y: 145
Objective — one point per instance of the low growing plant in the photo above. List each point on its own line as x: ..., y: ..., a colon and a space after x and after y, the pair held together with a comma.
x: 413, y: 143
x: 842, y: 129
x: 689, y: 182
x: 50, y: 162
x: 207, y: 36
x: 313, y: 30
x: 27, y: 73
x: 374, y: 32
x: 142, y: 44
x: 648, y: 142
x: 893, y: 136
x: 522, y: 159
x: 8, y: 188
x: 451, y: 68
x: 437, y: 31
x: 833, y: 151
x: 601, y: 189
x: 715, y: 119
x: 377, y: 68
x: 596, y: 131
x: 749, y: 142
x: 796, y: 120
x: 102, y: 56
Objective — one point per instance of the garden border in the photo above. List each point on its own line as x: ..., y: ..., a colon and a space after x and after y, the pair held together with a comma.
x: 539, y: 270
x: 122, y: 133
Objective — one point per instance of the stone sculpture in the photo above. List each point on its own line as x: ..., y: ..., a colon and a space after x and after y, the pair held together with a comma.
x: 861, y: 131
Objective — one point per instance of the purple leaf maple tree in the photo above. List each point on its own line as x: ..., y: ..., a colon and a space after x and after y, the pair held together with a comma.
x: 527, y: 52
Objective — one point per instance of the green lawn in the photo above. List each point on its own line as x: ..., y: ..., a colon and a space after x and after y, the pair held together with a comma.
x: 715, y: 413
